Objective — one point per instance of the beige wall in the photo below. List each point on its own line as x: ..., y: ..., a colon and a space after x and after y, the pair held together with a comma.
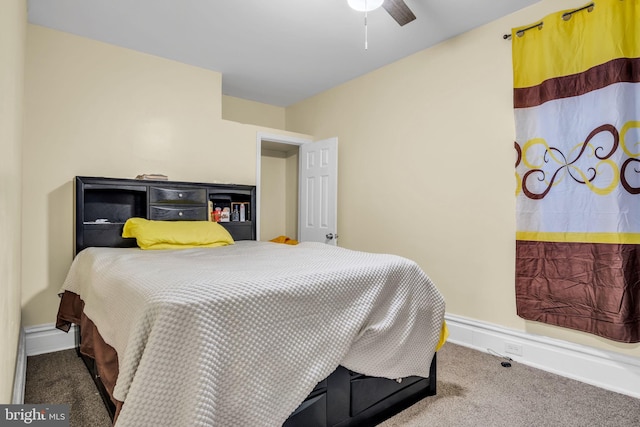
x: 251, y: 112
x: 99, y: 110
x: 278, y: 208
x: 426, y: 168
x: 272, y: 195
x: 13, y: 20
x: 279, y: 194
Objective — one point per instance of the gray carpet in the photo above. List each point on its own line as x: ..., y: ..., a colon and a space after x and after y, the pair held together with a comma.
x: 62, y: 378
x: 473, y: 390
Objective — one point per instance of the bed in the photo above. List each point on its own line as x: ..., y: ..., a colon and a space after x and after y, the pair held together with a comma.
x: 253, y: 333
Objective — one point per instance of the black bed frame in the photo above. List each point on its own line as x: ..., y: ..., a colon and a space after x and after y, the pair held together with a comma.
x: 345, y: 398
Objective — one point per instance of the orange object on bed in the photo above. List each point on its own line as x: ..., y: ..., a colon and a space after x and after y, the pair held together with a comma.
x: 284, y: 239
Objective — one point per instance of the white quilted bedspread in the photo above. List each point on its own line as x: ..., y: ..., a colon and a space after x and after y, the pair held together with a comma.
x: 240, y: 335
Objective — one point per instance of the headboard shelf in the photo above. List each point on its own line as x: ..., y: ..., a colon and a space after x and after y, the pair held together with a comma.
x: 103, y: 205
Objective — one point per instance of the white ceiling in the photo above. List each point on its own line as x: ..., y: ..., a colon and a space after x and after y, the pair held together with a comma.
x: 277, y: 52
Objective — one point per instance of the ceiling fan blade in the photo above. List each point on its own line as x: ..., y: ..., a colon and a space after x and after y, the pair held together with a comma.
x: 399, y: 11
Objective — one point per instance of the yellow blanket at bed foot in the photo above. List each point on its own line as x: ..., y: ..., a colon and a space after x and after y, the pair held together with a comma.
x: 444, y: 334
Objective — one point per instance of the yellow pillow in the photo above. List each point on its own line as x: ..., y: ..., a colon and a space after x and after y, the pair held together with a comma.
x: 176, y: 234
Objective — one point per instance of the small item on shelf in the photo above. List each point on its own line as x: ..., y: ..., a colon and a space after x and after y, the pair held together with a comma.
x: 153, y: 177
x: 225, y: 215
x: 242, y: 209
x: 235, y: 215
x: 216, y: 214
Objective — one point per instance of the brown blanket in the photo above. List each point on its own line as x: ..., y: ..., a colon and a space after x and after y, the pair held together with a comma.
x: 91, y: 343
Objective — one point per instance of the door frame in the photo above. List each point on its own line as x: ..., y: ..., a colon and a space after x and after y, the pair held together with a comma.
x: 271, y: 137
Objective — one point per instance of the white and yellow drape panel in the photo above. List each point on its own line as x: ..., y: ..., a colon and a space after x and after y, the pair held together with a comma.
x: 577, y: 114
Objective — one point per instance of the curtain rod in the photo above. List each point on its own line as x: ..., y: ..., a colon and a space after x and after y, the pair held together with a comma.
x: 566, y: 16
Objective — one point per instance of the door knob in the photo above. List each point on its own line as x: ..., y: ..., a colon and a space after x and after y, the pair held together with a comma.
x: 331, y: 236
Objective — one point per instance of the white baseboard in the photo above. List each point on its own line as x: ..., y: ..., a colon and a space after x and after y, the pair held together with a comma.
x: 46, y: 338
x: 608, y: 370
x: 20, y: 377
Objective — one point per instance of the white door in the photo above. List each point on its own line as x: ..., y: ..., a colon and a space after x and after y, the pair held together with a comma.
x: 318, y: 187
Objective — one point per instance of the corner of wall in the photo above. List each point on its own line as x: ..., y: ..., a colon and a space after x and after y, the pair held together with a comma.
x: 20, y: 378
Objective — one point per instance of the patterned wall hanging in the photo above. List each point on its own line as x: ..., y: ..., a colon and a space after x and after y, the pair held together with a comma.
x: 577, y: 114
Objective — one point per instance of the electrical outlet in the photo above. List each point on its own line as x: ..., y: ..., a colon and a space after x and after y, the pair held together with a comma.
x: 513, y: 348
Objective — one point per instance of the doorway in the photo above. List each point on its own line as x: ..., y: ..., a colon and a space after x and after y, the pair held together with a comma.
x: 277, y: 186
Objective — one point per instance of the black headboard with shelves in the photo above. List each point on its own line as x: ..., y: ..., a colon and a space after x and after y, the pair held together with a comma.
x: 102, y: 206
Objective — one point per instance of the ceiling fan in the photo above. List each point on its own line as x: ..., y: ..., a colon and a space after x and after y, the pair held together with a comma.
x: 398, y: 9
